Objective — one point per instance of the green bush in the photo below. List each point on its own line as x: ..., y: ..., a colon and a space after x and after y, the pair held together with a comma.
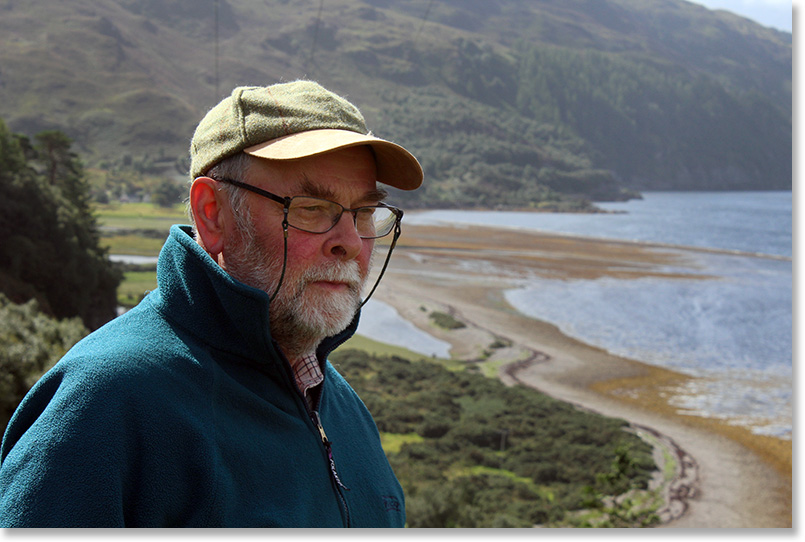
x: 539, y: 457
x: 30, y: 344
x: 446, y: 321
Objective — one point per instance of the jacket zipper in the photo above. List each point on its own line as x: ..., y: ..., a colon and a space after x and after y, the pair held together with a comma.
x: 339, y: 486
x: 314, y: 416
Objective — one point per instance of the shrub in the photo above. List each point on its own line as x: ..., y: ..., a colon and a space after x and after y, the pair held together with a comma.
x: 446, y: 321
x: 30, y: 344
x: 552, y: 451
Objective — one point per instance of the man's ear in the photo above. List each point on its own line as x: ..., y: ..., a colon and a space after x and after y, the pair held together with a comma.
x: 206, y: 205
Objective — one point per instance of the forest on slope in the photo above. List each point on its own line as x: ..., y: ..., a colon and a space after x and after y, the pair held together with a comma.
x: 534, y: 103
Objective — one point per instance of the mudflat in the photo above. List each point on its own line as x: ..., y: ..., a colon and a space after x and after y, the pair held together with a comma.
x: 731, y: 478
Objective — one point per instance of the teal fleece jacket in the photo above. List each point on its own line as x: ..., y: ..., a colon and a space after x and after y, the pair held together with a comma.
x: 182, y: 412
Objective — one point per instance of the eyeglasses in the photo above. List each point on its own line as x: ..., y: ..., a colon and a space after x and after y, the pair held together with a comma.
x: 316, y: 215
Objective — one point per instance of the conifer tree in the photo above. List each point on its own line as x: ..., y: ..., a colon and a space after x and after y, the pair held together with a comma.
x: 49, y: 239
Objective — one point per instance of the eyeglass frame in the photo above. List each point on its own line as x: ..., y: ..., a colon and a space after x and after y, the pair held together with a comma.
x: 287, y: 200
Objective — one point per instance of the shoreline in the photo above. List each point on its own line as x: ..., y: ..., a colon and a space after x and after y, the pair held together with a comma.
x: 740, y: 479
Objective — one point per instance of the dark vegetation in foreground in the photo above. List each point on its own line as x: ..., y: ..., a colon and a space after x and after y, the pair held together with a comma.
x: 472, y: 452
x: 31, y: 342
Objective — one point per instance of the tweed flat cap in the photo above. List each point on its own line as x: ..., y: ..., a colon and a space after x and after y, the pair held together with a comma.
x: 289, y: 121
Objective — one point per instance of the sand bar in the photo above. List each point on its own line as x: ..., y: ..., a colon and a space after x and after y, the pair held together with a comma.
x: 736, y: 478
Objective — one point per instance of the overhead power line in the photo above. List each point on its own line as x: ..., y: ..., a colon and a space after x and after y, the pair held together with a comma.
x: 316, y: 32
x: 424, y: 20
x: 217, y: 82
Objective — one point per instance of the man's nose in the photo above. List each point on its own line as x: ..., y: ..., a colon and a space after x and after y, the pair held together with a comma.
x: 344, y: 241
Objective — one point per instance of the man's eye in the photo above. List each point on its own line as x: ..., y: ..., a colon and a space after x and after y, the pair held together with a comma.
x: 312, y: 208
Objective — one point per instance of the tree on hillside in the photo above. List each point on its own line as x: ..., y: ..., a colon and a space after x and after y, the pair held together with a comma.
x: 61, y: 167
x: 168, y: 193
x: 49, y: 240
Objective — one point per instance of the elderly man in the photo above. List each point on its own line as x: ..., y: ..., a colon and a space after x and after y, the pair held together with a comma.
x: 211, y: 403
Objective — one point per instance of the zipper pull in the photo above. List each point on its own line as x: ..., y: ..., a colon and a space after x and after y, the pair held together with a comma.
x: 317, y: 421
x: 328, y: 445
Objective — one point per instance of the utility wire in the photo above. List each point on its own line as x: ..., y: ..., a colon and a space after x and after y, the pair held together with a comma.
x: 217, y: 96
x: 410, y: 51
x: 316, y: 32
x: 424, y: 20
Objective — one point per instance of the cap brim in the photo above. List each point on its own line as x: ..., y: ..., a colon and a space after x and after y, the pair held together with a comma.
x: 395, y: 166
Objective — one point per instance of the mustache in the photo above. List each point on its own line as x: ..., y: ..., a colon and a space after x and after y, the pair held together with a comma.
x: 347, y: 272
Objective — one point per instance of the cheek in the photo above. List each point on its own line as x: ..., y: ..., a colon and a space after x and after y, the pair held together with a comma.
x: 303, y: 252
x: 365, y: 257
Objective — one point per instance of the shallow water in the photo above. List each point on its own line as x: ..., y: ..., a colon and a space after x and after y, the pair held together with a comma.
x: 733, y: 332
x: 133, y: 259
x: 381, y: 322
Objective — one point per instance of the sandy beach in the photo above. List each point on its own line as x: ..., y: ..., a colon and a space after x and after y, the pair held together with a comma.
x: 728, y: 477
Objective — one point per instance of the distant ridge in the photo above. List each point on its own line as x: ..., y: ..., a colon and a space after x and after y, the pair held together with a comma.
x: 506, y: 102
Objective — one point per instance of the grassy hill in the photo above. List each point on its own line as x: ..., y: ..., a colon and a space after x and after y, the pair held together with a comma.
x: 506, y: 102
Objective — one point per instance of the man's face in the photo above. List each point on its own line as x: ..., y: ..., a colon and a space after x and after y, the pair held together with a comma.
x: 325, y: 273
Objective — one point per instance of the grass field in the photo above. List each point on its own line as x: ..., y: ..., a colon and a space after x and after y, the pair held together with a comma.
x: 134, y: 286
x: 360, y: 342
x: 377, y: 348
x: 138, y: 229
x: 135, y: 245
x: 139, y: 216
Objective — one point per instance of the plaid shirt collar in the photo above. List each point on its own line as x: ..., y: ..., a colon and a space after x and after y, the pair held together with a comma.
x: 308, y: 375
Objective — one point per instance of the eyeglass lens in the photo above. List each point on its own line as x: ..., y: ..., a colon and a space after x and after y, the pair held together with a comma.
x: 316, y: 215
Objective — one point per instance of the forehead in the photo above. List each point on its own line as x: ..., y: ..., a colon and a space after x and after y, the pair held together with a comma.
x: 346, y: 173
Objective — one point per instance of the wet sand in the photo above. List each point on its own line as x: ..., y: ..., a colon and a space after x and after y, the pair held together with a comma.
x: 733, y: 478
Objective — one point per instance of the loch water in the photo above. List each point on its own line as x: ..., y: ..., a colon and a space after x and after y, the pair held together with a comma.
x: 733, y: 333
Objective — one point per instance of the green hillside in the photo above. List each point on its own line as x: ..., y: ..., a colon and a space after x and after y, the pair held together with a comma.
x: 506, y: 102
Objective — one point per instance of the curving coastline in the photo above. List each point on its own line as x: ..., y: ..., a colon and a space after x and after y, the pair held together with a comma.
x: 727, y: 477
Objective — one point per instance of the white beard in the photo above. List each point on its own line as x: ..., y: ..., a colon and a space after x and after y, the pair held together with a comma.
x: 299, y: 310
x: 300, y: 317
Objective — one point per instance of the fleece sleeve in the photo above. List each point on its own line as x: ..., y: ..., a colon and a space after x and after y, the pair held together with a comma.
x: 60, y: 467
x: 89, y: 452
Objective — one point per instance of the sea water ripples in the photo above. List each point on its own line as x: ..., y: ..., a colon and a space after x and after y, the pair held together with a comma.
x: 733, y: 331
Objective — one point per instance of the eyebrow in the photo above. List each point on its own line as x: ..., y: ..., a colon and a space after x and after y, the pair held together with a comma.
x: 316, y: 190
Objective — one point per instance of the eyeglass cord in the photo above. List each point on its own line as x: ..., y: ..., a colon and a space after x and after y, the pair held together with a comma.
x: 397, y: 232
x: 284, y: 255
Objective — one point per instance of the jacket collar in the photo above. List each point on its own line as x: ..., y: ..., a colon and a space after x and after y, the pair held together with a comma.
x: 200, y: 297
